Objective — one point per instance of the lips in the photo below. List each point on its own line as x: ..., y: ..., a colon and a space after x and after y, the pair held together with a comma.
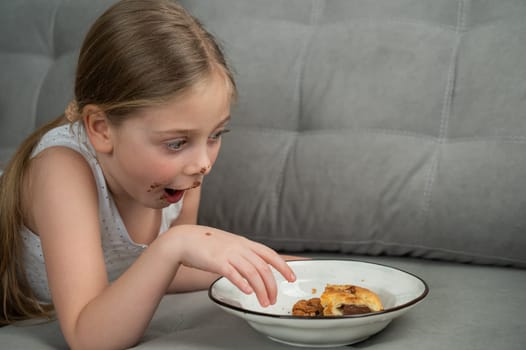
x: 173, y: 196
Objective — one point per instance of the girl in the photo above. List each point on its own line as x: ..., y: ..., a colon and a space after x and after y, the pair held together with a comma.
x: 85, y: 198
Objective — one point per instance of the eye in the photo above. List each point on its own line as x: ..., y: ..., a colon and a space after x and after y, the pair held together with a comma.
x: 217, y: 135
x: 176, y: 145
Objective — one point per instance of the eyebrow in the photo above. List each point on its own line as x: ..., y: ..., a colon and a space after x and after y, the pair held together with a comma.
x: 174, y: 131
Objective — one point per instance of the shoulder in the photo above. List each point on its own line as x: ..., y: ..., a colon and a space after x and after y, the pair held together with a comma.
x: 55, y: 165
x: 56, y: 178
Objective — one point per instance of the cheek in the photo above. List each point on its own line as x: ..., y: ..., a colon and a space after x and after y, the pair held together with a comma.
x: 143, y: 163
x: 133, y: 155
x: 150, y: 166
x: 163, y: 169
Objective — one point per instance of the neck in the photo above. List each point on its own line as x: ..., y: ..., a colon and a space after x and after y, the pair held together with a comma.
x: 142, y: 223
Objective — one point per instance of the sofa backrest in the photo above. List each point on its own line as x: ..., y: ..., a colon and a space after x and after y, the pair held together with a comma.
x: 368, y: 127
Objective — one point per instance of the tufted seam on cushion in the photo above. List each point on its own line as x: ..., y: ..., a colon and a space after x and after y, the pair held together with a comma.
x: 280, y: 193
x: 52, y: 59
x: 329, y: 131
x: 446, y: 110
x: 34, y: 115
x: 316, y: 10
x: 452, y: 74
x: 501, y: 139
x: 397, y: 21
x: 505, y: 139
x: 52, y: 32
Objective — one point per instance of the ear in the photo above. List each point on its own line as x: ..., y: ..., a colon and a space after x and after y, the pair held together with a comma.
x: 97, y: 128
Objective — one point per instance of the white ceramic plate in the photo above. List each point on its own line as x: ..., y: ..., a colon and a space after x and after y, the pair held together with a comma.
x: 398, y: 290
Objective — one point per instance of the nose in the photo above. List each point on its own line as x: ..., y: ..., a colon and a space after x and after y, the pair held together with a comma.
x: 200, y: 162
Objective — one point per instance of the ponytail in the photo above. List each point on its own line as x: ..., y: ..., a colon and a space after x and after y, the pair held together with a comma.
x: 17, y: 299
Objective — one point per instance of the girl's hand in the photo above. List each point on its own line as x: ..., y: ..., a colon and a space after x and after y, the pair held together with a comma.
x: 243, y: 262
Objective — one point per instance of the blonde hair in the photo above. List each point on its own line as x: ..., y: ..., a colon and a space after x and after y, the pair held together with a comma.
x: 137, y: 54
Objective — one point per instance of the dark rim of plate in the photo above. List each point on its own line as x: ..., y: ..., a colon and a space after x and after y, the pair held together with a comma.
x: 385, y: 311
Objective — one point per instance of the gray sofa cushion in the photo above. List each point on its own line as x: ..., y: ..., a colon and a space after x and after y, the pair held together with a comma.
x: 375, y: 127
x: 385, y: 127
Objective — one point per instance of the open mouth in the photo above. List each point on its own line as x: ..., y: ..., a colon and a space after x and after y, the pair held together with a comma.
x: 173, y: 196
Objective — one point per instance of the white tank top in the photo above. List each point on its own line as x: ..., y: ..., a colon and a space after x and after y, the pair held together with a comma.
x: 119, y: 249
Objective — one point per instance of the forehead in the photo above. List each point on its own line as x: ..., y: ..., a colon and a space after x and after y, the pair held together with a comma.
x: 202, y: 107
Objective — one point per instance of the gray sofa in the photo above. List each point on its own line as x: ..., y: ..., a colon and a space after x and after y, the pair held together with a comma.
x: 390, y: 131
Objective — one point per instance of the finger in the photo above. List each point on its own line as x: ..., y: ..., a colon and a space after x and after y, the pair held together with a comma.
x: 233, y: 275
x: 266, y: 275
x: 251, y: 274
x: 274, y: 259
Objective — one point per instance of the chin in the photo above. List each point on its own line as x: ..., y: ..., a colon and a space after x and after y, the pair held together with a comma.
x: 160, y: 205
x: 154, y: 204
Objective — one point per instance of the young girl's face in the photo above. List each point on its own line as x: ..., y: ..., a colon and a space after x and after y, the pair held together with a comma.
x: 166, y: 150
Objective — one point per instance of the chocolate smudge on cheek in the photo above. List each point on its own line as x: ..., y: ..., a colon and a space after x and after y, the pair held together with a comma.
x: 196, y: 184
x: 208, y: 234
x: 154, y: 186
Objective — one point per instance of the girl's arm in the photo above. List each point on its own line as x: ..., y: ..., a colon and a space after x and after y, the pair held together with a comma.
x: 189, y: 279
x: 96, y: 314
x: 64, y: 211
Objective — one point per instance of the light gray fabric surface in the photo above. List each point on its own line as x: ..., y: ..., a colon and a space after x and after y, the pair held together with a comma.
x: 385, y: 127
x: 375, y: 127
x: 468, y: 308
x: 388, y: 127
